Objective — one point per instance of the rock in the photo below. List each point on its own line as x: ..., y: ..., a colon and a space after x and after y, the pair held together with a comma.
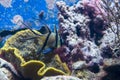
x: 109, y: 62
x: 61, y: 78
x: 79, y: 65
x: 6, y: 74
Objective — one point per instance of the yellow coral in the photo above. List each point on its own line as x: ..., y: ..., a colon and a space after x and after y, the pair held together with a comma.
x: 32, y: 68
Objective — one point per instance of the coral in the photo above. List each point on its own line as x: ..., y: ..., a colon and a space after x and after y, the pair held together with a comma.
x: 95, y: 6
x: 75, y: 31
x: 97, y: 14
x: 112, y: 9
x: 28, y: 47
x: 22, y: 54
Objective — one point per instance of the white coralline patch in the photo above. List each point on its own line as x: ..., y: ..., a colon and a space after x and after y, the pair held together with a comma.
x: 61, y: 78
x: 17, y: 19
x: 90, y: 49
x: 72, y: 40
x: 50, y: 4
x: 6, y: 3
x: 109, y: 37
x: 5, y: 74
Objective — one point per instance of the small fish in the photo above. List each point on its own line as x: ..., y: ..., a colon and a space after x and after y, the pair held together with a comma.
x: 46, y: 32
x: 45, y: 43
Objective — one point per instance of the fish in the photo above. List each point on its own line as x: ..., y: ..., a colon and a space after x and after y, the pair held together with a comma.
x: 51, y: 48
x: 47, y: 46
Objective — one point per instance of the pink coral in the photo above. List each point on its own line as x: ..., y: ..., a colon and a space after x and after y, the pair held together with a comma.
x: 96, y: 5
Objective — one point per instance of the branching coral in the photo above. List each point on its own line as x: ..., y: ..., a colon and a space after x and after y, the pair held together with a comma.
x: 113, y: 17
x: 113, y: 20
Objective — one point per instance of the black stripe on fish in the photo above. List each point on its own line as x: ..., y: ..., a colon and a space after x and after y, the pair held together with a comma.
x: 56, y: 37
x: 46, y: 40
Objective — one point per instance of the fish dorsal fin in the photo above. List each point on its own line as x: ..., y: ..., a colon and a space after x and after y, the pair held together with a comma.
x: 44, y: 30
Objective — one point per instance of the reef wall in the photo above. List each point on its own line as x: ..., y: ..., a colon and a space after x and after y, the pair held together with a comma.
x: 81, y: 26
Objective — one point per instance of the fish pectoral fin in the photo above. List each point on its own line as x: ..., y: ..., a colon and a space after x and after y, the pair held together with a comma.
x: 46, y: 51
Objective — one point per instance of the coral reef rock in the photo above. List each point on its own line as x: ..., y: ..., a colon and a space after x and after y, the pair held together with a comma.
x: 79, y: 65
x: 75, y: 31
x: 6, y: 74
x: 61, y: 78
x: 7, y: 71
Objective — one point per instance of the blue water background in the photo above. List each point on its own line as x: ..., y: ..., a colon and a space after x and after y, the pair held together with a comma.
x: 28, y: 10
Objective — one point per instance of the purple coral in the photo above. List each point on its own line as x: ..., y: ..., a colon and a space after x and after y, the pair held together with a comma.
x: 96, y: 13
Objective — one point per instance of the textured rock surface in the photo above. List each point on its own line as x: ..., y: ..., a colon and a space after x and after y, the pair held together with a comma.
x: 61, y: 78
x: 6, y: 74
x: 79, y: 65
